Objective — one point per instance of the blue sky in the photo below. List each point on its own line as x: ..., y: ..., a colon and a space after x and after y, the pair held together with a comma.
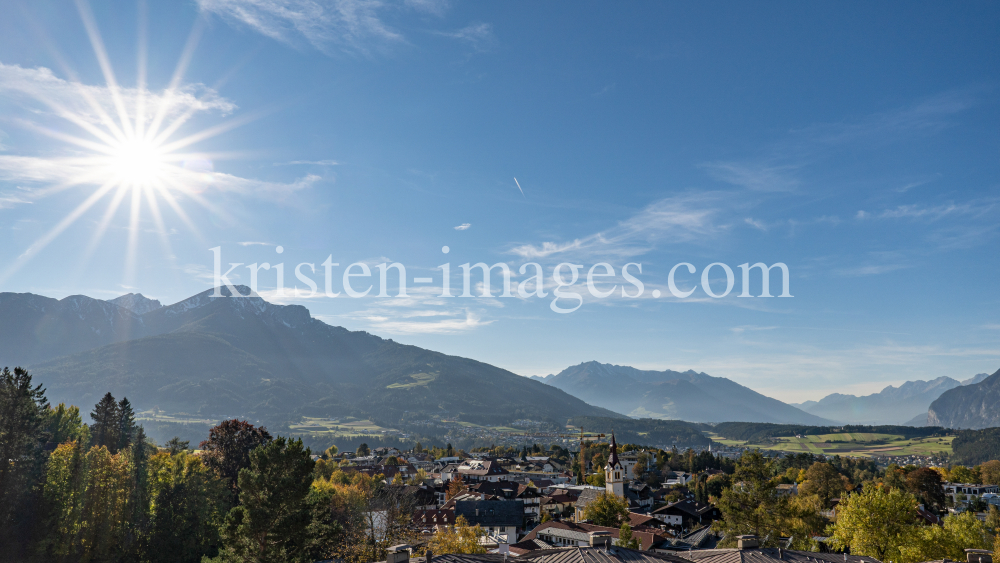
x: 857, y: 143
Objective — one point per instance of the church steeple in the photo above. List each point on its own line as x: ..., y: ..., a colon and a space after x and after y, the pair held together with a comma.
x: 614, y: 472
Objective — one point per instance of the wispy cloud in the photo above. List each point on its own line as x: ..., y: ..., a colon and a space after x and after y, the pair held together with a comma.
x: 478, y: 35
x: 754, y: 176
x: 64, y: 98
x: 254, y: 243
x: 678, y: 219
x: 760, y: 225
x: 463, y: 227
x: 454, y: 323
x: 308, y: 162
x: 354, y: 26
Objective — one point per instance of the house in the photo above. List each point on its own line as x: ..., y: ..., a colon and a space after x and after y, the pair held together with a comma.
x: 477, y: 470
x: 566, y: 534
x: 428, y: 520
x: 557, y: 503
x: 686, y: 514
x: 598, y: 550
x: 788, y: 490
x: 496, y: 517
x: 675, y: 478
x: 748, y: 551
x: 969, y: 490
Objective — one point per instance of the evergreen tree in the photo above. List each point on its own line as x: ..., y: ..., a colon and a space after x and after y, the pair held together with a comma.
x: 175, y: 445
x: 23, y: 409
x: 126, y: 424
x: 753, y: 504
x: 270, y: 524
x: 105, y: 428
x: 64, y: 423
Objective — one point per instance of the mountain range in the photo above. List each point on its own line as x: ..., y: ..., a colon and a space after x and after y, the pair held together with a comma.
x: 906, y: 404
x: 970, y: 406
x: 243, y: 356
x: 691, y: 396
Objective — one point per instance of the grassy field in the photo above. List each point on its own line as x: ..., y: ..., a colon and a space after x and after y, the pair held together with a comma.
x: 347, y: 427
x: 852, y: 444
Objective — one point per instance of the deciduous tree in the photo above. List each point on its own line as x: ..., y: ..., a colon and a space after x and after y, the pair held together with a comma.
x: 823, y: 481
x: 925, y: 484
x: 875, y: 522
x: 228, y: 448
x: 989, y: 472
x: 607, y: 510
x: 460, y: 538
x: 626, y: 539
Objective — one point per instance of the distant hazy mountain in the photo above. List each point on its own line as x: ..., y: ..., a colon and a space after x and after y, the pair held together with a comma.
x: 243, y: 356
x: 35, y: 328
x: 136, y: 302
x: 969, y: 406
x: 906, y: 404
x: 691, y: 396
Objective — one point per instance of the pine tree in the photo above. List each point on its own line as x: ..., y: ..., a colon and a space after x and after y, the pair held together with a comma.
x: 104, y: 430
x: 126, y: 424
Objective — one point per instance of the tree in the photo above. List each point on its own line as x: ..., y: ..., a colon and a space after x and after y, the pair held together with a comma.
x: 269, y: 524
x: 597, y: 480
x: 175, y: 445
x: 228, y: 448
x: 993, y: 521
x: 989, y: 472
x: 875, y: 523
x: 607, y: 510
x: 331, y: 452
x: 364, y: 450
x: 455, y: 487
x: 63, y: 491
x: 962, y: 474
x: 753, y: 504
x: 391, y: 460
x: 126, y: 424
x: 23, y: 409
x: 64, y: 423
x: 104, y: 512
x: 959, y: 532
x: 460, y: 538
x: 626, y: 539
x: 925, y: 484
x: 105, y: 427
x: 823, y: 481
x: 190, y: 504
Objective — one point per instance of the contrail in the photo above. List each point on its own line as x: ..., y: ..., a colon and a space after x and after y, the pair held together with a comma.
x: 519, y: 187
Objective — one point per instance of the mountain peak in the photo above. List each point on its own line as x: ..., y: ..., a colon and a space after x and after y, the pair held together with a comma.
x: 136, y: 302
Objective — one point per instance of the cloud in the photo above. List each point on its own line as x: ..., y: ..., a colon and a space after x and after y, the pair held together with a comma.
x: 463, y: 226
x: 457, y: 323
x: 756, y: 224
x: 310, y: 162
x: 88, y: 102
x: 37, y: 170
x: 678, y: 219
x: 354, y: 26
x: 254, y: 243
x: 478, y: 35
x: 754, y: 176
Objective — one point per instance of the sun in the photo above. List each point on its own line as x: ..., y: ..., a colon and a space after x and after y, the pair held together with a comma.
x: 137, y: 163
x: 126, y: 151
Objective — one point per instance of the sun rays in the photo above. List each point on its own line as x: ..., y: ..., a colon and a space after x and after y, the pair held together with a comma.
x: 122, y: 144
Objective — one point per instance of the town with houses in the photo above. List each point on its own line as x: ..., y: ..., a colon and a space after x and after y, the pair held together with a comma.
x: 530, y: 505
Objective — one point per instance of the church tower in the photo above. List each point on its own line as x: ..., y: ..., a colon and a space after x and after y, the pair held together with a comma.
x: 614, y: 472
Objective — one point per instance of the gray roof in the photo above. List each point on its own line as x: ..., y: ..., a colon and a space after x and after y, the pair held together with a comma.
x: 769, y: 555
x: 491, y: 512
x: 564, y: 555
x: 567, y: 534
x: 586, y: 497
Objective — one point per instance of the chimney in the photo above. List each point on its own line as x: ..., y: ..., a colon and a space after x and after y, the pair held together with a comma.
x: 600, y: 539
x: 398, y: 554
x: 428, y: 556
x: 742, y: 542
x: 978, y: 556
